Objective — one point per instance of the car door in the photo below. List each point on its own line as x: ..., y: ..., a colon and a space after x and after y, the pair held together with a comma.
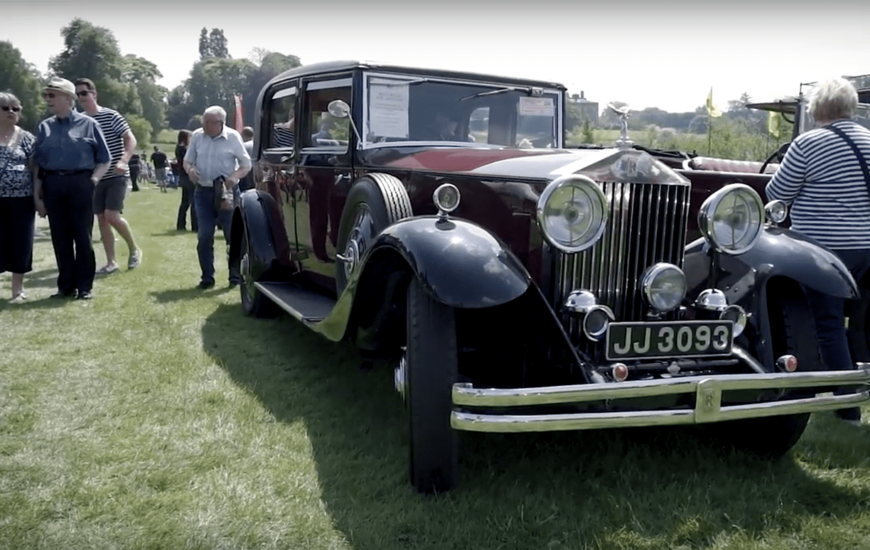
x: 324, y: 172
x: 275, y: 169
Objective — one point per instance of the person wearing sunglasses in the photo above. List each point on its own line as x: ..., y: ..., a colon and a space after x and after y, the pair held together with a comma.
x: 71, y: 155
x: 111, y: 189
x: 16, y: 196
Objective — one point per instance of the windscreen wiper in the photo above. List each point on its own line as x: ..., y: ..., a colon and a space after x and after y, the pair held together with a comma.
x: 529, y: 90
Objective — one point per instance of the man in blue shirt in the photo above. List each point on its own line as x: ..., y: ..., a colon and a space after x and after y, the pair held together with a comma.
x: 215, y: 161
x: 72, y: 155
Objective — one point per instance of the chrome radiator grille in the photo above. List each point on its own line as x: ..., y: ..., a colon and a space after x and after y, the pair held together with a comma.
x: 647, y: 224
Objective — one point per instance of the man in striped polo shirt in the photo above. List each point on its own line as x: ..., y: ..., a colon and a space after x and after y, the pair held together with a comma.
x: 110, y: 191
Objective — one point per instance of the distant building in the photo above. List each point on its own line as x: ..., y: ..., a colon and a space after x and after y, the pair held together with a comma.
x: 588, y: 109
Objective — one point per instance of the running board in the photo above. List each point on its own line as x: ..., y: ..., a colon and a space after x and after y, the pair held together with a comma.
x: 302, y: 304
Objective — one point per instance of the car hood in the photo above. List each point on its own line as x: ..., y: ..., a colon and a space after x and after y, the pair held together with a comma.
x: 622, y: 165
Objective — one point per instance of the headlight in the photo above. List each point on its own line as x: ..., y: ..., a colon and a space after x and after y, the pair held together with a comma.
x: 664, y: 287
x: 572, y: 213
x: 731, y: 218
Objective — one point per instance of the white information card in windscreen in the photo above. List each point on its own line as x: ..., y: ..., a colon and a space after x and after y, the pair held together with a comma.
x: 388, y: 108
x: 536, y: 106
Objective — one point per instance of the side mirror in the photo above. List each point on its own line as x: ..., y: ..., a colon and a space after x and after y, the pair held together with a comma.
x: 338, y: 108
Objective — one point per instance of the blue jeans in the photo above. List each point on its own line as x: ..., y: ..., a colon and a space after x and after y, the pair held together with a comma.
x: 829, y: 314
x: 207, y: 218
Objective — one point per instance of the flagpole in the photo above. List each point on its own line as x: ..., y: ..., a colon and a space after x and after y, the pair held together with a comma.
x: 709, y: 136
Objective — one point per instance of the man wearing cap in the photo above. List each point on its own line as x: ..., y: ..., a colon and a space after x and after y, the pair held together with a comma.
x: 71, y: 155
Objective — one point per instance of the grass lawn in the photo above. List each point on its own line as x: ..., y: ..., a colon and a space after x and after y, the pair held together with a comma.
x: 156, y: 416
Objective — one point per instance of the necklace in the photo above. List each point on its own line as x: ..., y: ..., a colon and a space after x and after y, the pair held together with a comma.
x: 6, y: 137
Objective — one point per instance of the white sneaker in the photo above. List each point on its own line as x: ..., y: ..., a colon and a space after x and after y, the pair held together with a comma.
x: 135, y: 259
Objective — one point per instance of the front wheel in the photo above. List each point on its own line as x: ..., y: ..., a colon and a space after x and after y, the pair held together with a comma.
x: 432, y: 363
x: 793, y: 332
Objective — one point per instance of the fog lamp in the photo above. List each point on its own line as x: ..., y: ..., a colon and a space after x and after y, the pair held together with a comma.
x: 596, y: 321
x: 737, y: 315
x: 446, y: 198
x: 664, y: 287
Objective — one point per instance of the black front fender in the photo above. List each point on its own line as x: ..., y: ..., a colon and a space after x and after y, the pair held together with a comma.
x: 458, y: 262
x: 778, y: 252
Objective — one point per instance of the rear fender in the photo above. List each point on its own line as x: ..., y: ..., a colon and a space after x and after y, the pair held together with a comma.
x: 258, y: 213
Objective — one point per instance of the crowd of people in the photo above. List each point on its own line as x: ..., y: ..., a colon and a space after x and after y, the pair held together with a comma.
x: 78, y: 167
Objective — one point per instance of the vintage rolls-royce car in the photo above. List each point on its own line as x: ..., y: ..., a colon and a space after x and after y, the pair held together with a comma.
x: 434, y: 219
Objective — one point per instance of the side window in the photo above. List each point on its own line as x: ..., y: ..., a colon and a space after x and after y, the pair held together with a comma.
x: 282, y: 124
x: 322, y: 129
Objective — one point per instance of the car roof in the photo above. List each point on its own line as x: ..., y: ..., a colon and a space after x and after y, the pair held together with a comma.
x: 338, y: 66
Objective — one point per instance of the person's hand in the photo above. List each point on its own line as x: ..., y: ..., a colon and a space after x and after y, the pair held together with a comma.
x: 40, y: 207
x: 121, y: 167
x: 193, y: 174
x: 95, y: 180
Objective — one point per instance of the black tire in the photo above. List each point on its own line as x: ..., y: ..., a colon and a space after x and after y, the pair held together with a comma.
x: 432, y: 363
x: 254, y: 304
x: 374, y: 202
x: 793, y: 332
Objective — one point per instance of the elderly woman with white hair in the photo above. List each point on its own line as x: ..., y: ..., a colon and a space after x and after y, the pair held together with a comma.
x: 16, y: 195
x: 825, y: 178
x: 72, y: 155
x: 215, y: 161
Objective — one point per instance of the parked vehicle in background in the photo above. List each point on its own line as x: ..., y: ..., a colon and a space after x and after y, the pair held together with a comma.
x: 434, y: 219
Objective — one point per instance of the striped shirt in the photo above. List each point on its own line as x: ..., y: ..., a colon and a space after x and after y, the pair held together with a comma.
x: 114, y: 127
x: 822, y: 179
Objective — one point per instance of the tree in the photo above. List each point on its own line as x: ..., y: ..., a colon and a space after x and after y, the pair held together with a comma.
x: 92, y: 52
x: 141, y: 75
x: 218, y: 44
x: 204, y: 44
x: 22, y: 79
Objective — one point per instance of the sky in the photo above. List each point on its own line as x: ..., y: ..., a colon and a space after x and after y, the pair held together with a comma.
x: 667, y: 53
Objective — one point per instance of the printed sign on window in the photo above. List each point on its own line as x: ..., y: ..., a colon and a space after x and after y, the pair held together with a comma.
x: 388, y: 108
x: 536, y: 106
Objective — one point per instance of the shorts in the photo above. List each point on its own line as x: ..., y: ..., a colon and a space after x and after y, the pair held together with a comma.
x: 160, y: 174
x: 109, y: 194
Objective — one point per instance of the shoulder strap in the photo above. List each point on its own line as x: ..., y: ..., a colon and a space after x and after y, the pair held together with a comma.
x: 861, y: 160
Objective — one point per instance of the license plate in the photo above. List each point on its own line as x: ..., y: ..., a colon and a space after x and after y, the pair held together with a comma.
x: 669, y: 339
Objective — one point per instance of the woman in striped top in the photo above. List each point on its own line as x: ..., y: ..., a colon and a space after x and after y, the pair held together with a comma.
x: 822, y: 178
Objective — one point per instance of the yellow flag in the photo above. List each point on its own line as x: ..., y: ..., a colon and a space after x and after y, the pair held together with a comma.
x: 774, y: 125
x: 712, y: 110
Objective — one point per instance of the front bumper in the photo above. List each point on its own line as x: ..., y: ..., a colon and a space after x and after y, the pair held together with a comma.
x: 708, y: 401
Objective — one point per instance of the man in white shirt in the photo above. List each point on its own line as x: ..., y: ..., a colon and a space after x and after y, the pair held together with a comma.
x: 215, y: 161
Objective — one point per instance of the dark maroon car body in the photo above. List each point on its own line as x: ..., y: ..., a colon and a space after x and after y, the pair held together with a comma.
x: 494, y: 319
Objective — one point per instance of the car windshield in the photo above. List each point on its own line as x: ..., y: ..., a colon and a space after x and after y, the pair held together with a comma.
x: 413, y: 109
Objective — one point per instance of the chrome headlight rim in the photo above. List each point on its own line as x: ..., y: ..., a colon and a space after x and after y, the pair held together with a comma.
x: 706, y: 217
x: 651, y: 275
x: 586, y: 184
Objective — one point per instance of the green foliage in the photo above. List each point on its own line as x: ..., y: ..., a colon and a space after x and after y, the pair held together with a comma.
x: 21, y: 79
x: 141, y: 129
x: 213, y: 44
x: 92, y: 52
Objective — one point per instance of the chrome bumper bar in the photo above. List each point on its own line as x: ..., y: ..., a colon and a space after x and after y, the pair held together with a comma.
x: 708, y: 401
